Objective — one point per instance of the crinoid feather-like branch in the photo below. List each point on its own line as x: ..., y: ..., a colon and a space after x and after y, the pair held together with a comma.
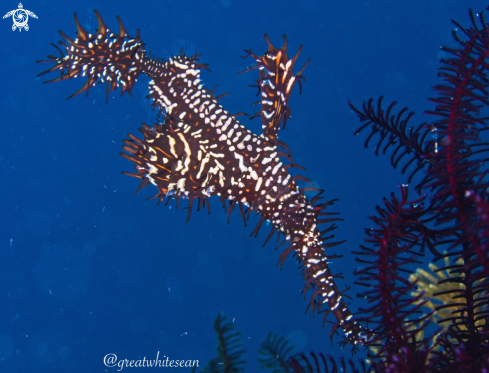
x: 457, y: 171
x: 318, y: 363
x: 397, y: 241
x: 229, y: 349
x: 445, y: 292
x: 274, y: 353
x: 394, y: 130
x: 460, y: 192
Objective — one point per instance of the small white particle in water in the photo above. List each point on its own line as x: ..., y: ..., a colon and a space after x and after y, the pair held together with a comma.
x: 183, y: 334
x: 11, y: 240
x: 103, y: 209
x: 115, y: 190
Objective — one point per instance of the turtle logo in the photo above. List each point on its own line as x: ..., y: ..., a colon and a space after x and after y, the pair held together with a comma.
x: 20, y: 17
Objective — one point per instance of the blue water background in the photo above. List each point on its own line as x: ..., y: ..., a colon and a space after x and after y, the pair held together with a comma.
x: 88, y: 268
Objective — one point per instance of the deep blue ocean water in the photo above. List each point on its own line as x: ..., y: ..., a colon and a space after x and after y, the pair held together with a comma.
x: 88, y: 268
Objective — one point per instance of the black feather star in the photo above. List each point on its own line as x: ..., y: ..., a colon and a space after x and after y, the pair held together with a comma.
x: 454, y: 218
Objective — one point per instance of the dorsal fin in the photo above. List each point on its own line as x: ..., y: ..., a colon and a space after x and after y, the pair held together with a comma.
x: 275, y: 83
